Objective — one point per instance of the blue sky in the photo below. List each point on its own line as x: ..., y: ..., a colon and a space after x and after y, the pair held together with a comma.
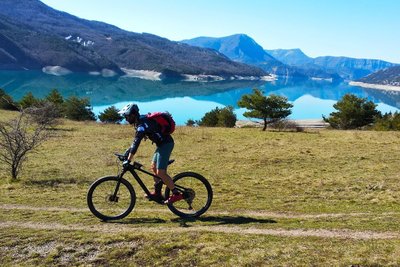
x: 353, y: 28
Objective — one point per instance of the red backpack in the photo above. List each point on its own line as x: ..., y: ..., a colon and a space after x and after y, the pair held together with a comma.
x: 164, y: 120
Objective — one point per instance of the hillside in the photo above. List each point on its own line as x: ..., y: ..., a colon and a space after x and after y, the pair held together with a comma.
x: 390, y: 76
x: 36, y: 35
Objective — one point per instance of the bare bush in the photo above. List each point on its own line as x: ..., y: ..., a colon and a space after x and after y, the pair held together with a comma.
x: 19, y: 137
x: 286, y: 125
x: 46, y: 114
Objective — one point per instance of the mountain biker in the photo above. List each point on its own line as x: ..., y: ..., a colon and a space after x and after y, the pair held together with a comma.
x: 148, y: 128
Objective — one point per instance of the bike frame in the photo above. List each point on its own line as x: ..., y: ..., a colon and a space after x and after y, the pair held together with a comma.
x: 132, y: 169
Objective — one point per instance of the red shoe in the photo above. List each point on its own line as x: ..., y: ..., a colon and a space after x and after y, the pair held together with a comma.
x: 174, y: 198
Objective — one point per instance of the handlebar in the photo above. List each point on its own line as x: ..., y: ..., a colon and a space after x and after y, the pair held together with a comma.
x: 122, y: 157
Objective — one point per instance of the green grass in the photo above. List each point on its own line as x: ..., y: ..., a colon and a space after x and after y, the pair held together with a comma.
x: 312, y: 180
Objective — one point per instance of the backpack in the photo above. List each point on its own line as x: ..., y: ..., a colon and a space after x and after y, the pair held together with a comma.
x: 164, y: 120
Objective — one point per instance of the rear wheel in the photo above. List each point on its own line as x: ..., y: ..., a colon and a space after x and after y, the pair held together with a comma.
x: 108, y: 202
x: 197, y: 195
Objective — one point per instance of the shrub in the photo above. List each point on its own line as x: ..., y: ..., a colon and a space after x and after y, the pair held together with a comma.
x: 110, y: 115
x: 29, y: 100
x: 210, y: 119
x: 78, y: 109
x: 388, y: 122
x: 224, y: 117
x: 191, y: 123
x: 286, y: 125
x: 18, y: 138
x: 55, y: 98
x: 353, y: 112
x: 46, y: 114
x: 6, y: 101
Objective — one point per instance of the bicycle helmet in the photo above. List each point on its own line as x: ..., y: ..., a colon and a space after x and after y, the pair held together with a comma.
x: 130, y: 109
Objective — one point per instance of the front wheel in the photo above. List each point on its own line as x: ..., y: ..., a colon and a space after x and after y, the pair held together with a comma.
x: 197, y: 195
x: 111, y: 198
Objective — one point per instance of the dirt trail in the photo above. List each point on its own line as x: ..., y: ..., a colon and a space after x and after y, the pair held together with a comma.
x: 115, y: 228
x: 211, y: 212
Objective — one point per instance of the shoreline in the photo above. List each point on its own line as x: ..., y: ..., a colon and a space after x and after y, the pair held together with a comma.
x: 301, y: 123
x: 158, y: 76
x: 376, y: 86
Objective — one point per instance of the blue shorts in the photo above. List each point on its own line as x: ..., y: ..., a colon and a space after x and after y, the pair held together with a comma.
x: 162, y: 154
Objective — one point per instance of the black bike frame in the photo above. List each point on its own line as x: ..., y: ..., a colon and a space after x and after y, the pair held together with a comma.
x: 137, y: 178
x: 132, y: 169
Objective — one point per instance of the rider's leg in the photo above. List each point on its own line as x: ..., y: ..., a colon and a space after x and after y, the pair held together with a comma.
x: 162, y: 156
x: 158, y: 184
x: 167, y: 180
x: 176, y: 195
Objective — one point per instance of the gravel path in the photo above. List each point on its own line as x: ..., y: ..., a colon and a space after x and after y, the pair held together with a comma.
x: 113, y: 227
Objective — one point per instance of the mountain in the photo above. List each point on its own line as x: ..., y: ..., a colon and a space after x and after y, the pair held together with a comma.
x: 34, y: 35
x: 390, y: 76
x: 242, y: 48
x: 347, y: 68
x: 292, y: 57
x: 238, y: 47
x: 352, y: 68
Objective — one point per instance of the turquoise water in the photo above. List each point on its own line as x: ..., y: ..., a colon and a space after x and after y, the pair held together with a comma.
x: 189, y: 100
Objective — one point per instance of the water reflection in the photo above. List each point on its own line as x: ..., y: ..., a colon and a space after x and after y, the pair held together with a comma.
x: 188, y: 100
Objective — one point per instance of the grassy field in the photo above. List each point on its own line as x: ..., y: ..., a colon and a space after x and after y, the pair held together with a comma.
x: 318, y: 197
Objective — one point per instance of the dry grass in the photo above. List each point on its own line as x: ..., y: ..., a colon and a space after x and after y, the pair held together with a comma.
x: 352, y: 173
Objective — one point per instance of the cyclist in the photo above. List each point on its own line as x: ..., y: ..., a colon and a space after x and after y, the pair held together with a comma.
x: 148, y: 128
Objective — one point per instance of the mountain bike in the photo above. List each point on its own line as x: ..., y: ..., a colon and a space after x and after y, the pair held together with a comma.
x: 113, y: 197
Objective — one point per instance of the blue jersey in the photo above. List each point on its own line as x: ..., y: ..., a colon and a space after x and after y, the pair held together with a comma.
x: 150, y: 129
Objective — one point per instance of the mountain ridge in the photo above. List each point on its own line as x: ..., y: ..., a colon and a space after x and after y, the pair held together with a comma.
x: 250, y: 52
x: 348, y: 68
x: 43, y: 34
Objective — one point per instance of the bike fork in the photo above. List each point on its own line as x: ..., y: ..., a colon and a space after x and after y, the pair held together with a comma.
x: 113, y: 197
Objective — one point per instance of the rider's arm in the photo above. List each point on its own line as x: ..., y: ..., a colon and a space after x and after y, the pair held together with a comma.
x: 140, y: 133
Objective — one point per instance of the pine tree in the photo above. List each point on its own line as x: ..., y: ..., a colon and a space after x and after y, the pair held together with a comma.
x: 110, y: 115
x: 270, y: 109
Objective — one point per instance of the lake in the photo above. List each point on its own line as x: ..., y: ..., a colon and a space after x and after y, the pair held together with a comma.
x: 191, y: 100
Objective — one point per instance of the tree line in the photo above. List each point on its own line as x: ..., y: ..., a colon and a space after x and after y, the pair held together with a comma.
x: 73, y: 108
x: 352, y: 112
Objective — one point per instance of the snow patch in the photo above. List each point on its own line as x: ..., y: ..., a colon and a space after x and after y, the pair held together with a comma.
x: 202, y: 78
x: 79, y: 40
x: 56, y: 70
x: 269, y: 78
x: 108, y: 73
x: 104, y: 72
x: 142, y: 74
x: 322, y: 79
